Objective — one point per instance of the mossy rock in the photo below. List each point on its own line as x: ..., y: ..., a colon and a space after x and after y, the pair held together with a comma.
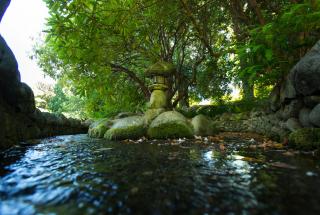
x: 170, y: 124
x: 305, y: 139
x: 99, y: 127
x: 127, y: 128
x: 151, y: 114
x: 203, y: 126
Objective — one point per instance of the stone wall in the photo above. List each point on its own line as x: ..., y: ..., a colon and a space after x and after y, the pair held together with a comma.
x: 297, y: 100
x: 19, y: 118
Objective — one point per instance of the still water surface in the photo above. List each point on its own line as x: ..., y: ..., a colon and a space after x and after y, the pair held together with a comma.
x: 78, y: 175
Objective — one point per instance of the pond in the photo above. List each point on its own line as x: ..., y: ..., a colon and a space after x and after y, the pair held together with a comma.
x: 79, y: 175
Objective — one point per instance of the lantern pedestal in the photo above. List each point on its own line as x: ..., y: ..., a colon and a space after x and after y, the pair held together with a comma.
x: 158, y: 97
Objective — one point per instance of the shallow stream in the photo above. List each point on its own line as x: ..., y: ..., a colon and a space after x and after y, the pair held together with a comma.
x: 78, y: 175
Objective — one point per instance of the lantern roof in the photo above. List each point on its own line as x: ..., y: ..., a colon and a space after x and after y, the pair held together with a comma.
x: 160, y: 68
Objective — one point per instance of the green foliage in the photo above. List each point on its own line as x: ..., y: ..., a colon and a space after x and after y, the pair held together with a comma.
x: 305, y: 139
x: 100, y: 50
x: 226, y: 107
x: 56, y: 102
x: 87, y: 41
x: 274, y: 48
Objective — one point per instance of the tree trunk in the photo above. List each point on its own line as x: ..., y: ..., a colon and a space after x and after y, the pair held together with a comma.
x: 248, y: 89
x: 254, y: 5
x: 184, y: 101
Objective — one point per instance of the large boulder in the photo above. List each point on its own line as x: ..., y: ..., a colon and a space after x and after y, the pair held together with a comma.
x: 314, y: 116
x: 25, y: 102
x: 124, y: 115
x: 293, y: 124
x: 98, y: 128
x: 151, y: 114
x: 287, y: 90
x: 170, y: 124
x: 203, y: 126
x: 9, y: 74
x: 132, y: 127
x: 305, y: 139
x: 307, y: 72
x: 304, y: 117
x: 8, y: 63
x: 311, y: 101
x: 292, y: 109
x: 274, y: 98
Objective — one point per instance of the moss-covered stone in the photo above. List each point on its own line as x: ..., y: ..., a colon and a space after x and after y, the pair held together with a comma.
x: 170, y: 124
x: 305, y: 139
x: 151, y: 114
x: 127, y: 128
x: 158, y: 99
x: 160, y: 68
x: 99, y: 127
x: 203, y: 126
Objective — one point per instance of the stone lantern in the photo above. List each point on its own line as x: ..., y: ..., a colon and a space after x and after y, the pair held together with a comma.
x: 160, y: 74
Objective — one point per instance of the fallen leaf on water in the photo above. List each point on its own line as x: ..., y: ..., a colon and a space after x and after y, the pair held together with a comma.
x: 134, y: 190
x: 222, y: 147
x: 285, y: 141
x: 252, y: 141
x: 197, y: 137
x: 311, y: 174
x: 198, y: 141
x: 103, y: 149
x: 289, y: 153
x: 283, y: 165
x: 147, y: 173
x: 253, y: 146
x: 215, y: 138
x: 184, y: 147
x: 249, y: 159
x: 277, y: 145
x: 173, y: 143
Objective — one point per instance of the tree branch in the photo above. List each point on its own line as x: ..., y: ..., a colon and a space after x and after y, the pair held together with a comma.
x: 133, y: 77
x: 257, y: 10
x: 201, y: 33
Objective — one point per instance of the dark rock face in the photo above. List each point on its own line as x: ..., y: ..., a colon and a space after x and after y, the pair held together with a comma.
x: 307, y: 72
x: 293, y: 124
x: 274, y: 98
x: 314, y: 116
x: 311, y: 101
x: 304, y: 118
x: 287, y: 90
x: 19, y: 118
x: 297, y: 100
x: 292, y: 109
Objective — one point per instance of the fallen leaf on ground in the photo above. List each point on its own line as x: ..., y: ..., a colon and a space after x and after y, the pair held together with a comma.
x: 250, y: 159
x: 283, y: 165
x: 289, y: 153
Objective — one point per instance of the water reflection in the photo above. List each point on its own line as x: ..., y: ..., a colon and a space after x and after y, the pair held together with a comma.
x: 78, y: 175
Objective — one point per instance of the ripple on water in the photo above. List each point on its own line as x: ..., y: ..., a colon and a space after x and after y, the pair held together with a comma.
x: 75, y: 174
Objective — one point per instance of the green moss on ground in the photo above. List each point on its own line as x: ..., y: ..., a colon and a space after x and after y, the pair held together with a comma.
x: 305, y: 139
